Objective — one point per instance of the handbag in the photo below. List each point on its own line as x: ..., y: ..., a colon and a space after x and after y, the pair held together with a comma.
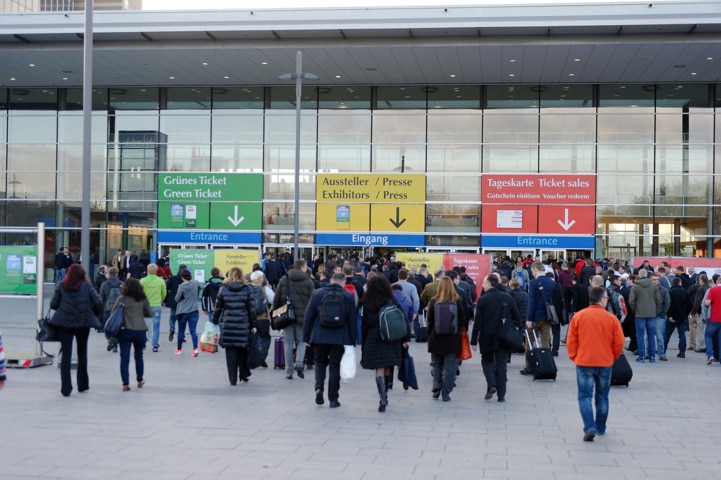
x: 255, y: 359
x: 284, y: 316
x: 551, y: 314
x: 45, y: 331
x: 465, y: 346
x: 115, y: 321
x: 407, y: 372
x: 509, y: 336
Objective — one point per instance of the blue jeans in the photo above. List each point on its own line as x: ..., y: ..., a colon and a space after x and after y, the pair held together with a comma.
x: 171, y: 320
x: 713, y: 338
x: 157, y: 311
x: 587, y: 378
x: 647, y: 327
x: 444, y: 372
x: 190, y: 319
x: 660, y: 335
x: 137, y: 339
x: 59, y: 275
x: 670, y: 327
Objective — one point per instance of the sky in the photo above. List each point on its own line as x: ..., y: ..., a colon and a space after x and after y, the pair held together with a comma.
x: 260, y: 4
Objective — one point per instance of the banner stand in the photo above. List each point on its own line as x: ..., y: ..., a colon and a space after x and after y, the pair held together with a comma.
x: 39, y: 358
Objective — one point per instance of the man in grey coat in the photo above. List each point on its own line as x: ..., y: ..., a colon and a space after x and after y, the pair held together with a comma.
x: 643, y: 299
x: 328, y: 341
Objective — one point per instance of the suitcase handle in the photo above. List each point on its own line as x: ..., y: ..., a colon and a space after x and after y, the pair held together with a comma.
x: 535, y: 337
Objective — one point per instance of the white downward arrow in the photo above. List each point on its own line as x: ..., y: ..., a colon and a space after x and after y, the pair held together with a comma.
x: 565, y: 224
x: 236, y: 221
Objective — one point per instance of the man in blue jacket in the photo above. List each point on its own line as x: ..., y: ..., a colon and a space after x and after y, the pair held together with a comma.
x: 328, y: 326
x: 540, y: 293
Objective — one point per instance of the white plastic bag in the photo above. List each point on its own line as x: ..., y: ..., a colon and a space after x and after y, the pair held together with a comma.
x: 348, y: 364
x: 209, y: 338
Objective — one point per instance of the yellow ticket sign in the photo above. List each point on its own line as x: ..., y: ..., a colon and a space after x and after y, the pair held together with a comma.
x: 370, y: 188
x: 244, y: 259
x: 340, y: 217
x: 433, y: 261
x: 398, y: 217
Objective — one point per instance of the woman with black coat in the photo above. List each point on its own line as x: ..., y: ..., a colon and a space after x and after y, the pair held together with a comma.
x: 444, y: 349
x: 235, y: 304
x: 375, y: 353
x: 493, y: 306
x: 78, y: 308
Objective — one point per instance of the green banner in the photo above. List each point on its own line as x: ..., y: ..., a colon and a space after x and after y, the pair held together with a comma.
x: 218, y: 201
x: 18, y: 269
x: 210, y: 187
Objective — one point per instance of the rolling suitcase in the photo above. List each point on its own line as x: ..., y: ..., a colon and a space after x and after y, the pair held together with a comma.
x: 279, y: 353
x: 543, y: 367
x: 621, y: 372
x: 421, y: 331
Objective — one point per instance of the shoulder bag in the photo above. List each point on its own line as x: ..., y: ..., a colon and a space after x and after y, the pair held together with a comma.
x: 509, y: 336
x: 284, y: 316
x: 46, y: 332
x: 115, y: 321
x: 551, y: 314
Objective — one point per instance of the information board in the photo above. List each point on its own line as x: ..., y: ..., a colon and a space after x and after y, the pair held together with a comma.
x: 18, y: 269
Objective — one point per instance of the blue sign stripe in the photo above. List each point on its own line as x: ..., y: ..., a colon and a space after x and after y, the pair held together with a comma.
x: 222, y: 238
x: 537, y: 241
x: 370, y: 239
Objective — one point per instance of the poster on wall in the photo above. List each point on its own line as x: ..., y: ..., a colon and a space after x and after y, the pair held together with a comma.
x: 18, y: 269
x: 201, y: 262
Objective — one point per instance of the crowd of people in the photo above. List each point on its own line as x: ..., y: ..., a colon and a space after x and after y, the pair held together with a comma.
x: 344, y: 301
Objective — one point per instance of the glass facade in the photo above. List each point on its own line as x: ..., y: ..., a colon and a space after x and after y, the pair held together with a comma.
x: 652, y: 148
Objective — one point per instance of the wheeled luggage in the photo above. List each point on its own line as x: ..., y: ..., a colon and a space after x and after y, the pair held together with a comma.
x: 621, y: 372
x: 420, y: 329
x: 279, y: 354
x: 540, y: 360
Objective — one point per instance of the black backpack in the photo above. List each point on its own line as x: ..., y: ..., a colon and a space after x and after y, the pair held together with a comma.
x: 445, y: 318
x: 113, y: 294
x: 331, y: 310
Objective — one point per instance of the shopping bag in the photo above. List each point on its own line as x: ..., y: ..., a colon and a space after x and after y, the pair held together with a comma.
x: 254, y: 357
x: 407, y: 372
x: 348, y: 364
x: 465, y: 346
x: 209, y: 338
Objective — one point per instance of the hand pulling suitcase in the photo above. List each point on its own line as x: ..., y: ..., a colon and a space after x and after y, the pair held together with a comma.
x: 621, y: 372
x: 543, y: 367
x: 279, y: 353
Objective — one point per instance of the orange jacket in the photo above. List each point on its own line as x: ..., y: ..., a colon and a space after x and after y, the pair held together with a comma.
x: 595, y: 338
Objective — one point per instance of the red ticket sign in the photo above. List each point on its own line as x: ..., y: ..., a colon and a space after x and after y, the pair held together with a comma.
x: 477, y: 266
x: 509, y: 219
x: 567, y: 220
x: 538, y: 189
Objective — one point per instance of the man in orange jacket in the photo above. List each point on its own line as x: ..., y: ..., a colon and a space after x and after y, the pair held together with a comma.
x: 595, y: 340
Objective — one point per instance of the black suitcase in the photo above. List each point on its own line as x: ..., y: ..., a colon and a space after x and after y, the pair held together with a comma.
x: 540, y: 360
x: 279, y: 353
x: 621, y: 372
x: 420, y: 329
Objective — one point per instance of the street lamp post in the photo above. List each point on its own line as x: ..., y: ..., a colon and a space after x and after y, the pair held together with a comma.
x: 298, y: 76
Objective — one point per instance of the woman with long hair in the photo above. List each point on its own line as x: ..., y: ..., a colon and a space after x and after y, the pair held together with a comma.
x: 235, y: 304
x: 376, y: 354
x: 444, y: 348
x: 133, y: 331
x: 78, y: 308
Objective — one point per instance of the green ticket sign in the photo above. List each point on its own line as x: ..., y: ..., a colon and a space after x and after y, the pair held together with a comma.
x: 217, y: 201
x: 18, y: 269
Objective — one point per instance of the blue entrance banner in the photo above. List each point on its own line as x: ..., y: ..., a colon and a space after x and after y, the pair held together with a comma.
x: 537, y: 241
x: 221, y: 238
x: 369, y: 239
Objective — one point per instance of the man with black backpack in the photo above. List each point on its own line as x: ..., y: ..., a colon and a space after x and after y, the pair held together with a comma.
x: 111, y: 289
x: 330, y: 323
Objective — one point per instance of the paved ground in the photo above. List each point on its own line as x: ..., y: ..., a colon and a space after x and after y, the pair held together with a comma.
x: 188, y: 423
